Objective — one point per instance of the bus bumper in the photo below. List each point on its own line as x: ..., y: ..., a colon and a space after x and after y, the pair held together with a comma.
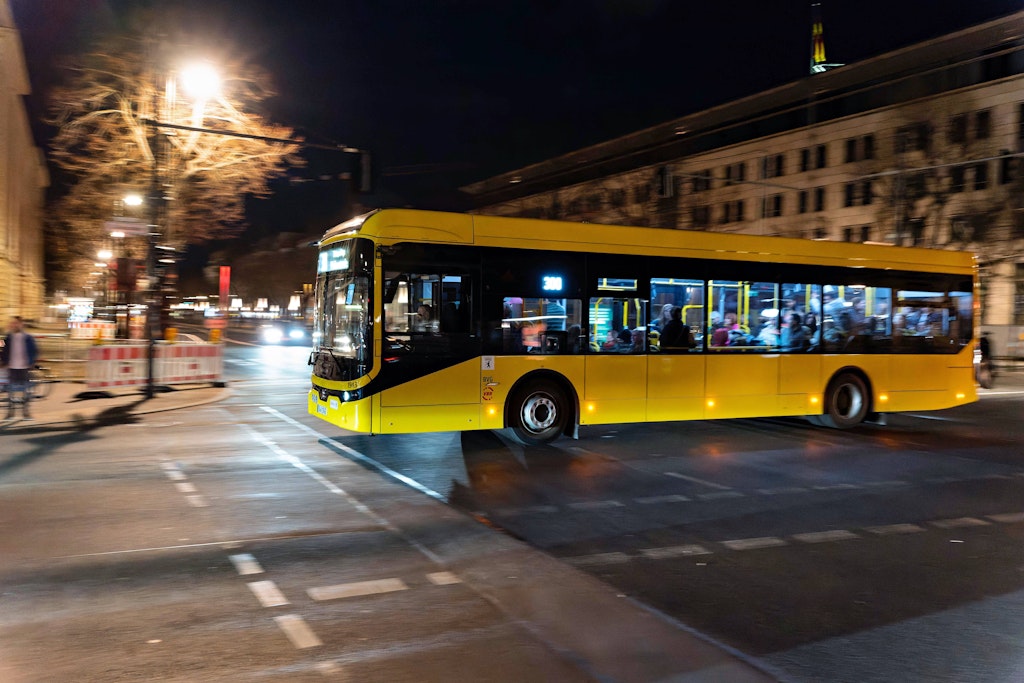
x: 351, y: 415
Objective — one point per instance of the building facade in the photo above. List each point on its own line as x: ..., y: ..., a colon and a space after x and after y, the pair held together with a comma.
x: 23, y: 179
x: 923, y: 146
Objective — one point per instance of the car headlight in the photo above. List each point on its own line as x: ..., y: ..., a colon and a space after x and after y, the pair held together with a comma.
x: 271, y: 335
x: 296, y: 333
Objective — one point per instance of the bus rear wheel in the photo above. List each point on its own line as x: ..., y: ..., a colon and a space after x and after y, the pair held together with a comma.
x: 539, y: 413
x: 846, y: 402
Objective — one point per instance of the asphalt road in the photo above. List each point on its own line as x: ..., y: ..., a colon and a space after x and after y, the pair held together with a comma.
x: 878, y: 554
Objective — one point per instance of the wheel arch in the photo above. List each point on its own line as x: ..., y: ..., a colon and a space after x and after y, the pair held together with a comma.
x: 559, y: 380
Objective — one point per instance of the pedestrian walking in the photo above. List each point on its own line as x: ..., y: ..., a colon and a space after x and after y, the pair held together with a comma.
x: 18, y: 355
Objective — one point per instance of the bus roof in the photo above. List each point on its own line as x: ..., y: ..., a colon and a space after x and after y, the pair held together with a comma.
x: 391, y: 226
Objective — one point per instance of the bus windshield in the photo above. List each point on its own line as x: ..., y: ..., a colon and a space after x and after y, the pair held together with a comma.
x: 343, y: 315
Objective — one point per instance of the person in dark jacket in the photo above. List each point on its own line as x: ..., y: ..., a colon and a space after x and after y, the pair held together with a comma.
x: 18, y: 355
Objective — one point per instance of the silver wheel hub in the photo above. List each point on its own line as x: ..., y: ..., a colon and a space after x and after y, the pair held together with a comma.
x: 539, y: 412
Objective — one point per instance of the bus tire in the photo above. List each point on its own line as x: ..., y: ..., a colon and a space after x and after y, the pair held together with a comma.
x: 846, y: 402
x: 539, y: 413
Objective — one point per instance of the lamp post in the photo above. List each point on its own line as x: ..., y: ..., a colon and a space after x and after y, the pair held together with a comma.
x: 201, y: 82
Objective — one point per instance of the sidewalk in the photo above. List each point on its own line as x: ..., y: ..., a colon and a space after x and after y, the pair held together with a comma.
x: 72, y: 404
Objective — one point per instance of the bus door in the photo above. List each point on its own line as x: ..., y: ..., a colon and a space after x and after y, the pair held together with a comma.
x: 615, y: 385
x: 743, y: 360
x: 675, y: 361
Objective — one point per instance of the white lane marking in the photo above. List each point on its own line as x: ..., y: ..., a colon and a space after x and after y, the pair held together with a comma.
x: 695, y: 480
x: 782, y: 490
x: 197, y: 501
x: 896, y: 529
x: 246, y: 564
x: 168, y: 465
x: 987, y: 394
x: 825, y: 536
x: 837, y: 487
x: 185, y: 487
x: 654, y: 500
x: 176, y: 475
x: 674, y: 551
x: 719, y: 495
x: 754, y: 543
x: 942, y: 480
x: 1008, y: 517
x: 267, y: 593
x: 595, y: 505
x: 938, y: 418
x: 443, y: 578
x: 599, y: 558
x: 958, y: 523
x: 297, y: 631
x: 357, y: 589
x: 227, y: 545
x: 890, y: 484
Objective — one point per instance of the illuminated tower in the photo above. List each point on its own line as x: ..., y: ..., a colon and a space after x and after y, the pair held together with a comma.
x: 818, y: 64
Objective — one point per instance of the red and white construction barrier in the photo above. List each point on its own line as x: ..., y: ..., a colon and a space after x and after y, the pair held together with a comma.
x: 91, y: 329
x: 128, y: 365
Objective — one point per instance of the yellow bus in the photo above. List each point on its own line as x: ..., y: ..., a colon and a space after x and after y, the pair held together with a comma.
x: 429, y: 321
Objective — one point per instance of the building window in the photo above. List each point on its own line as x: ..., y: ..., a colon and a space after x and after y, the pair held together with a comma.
x: 981, y: 176
x: 956, y: 179
x: 701, y: 216
x: 1007, y: 168
x: 772, y: 207
x: 819, y: 199
x: 821, y: 156
x: 801, y: 202
x: 773, y: 166
x: 735, y: 173
x: 642, y: 193
x: 851, y: 150
x: 913, y: 138
x: 866, y: 195
x: 663, y: 183
x: 915, y: 227
x: 983, y: 124
x: 865, y: 233
x: 958, y: 129
x: 850, y: 195
x: 1018, y: 299
x: 805, y: 160
x: 702, y: 181
x: 869, y: 146
x: 732, y: 211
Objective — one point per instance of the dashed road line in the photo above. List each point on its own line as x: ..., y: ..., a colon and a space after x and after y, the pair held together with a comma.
x: 782, y: 491
x: 825, y: 536
x: 655, y: 500
x: 298, y: 631
x: 695, y: 480
x: 959, y: 523
x: 1008, y: 518
x: 357, y: 589
x: 895, y: 529
x: 267, y: 593
x: 176, y: 475
x: 837, y: 487
x: 443, y: 578
x: 674, y: 551
x: 721, y: 495
x: 595, y: 505
x: 246, y: 564
x: 185, y: 487
x: 754, y: 543
x: 600, y: 558
x: 197, y: 501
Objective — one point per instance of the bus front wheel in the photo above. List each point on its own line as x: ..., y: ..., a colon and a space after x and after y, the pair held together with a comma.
x: 846, y: 402
x: 539, y: 413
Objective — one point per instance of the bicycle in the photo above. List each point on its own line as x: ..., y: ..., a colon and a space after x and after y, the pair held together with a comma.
x: 40, y: 384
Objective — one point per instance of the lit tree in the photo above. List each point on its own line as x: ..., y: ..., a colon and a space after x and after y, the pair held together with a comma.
x: 106, y: 142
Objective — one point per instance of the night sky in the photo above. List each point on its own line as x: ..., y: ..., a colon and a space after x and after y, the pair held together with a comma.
x: 449, y: 92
